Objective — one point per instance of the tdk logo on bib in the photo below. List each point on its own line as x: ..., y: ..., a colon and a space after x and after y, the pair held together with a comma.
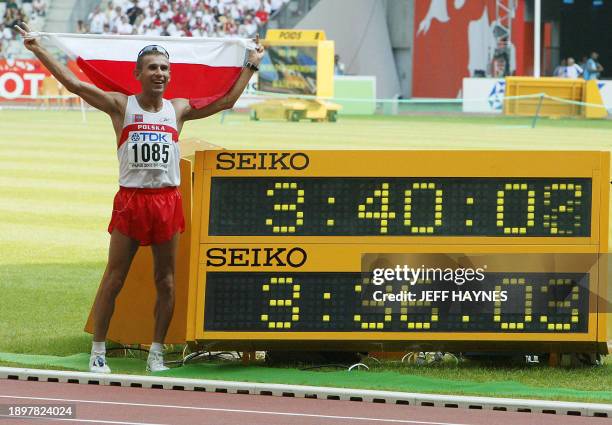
x: 150, y: 137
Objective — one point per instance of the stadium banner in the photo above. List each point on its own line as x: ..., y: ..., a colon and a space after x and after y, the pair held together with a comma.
x: 605, y: 89
x: 486, y: 95
x: 457, y: 40
x: 483, y: 95
x: 203, y: 69
x: 21, y: 78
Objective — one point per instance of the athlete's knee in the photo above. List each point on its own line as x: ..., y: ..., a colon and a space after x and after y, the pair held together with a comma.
x: 165, y: 284
x: 113, y: 282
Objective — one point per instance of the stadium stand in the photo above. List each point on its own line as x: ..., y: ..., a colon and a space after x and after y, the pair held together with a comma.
x: 189, y: 18
x: 33, y: 12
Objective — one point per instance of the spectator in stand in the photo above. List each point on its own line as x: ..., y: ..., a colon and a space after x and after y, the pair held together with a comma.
x: 147, y: 21
x: 115, y: 18
x: 26, y: 5
x: 339, y: 68
x: 124, y: 27
x: 134, y: 12
x: 151, y: 30
x: 560, y: 70
x: 262, y: 18
x: 572, y: 70
x: 180, y: 17
x: 9, y: 14
x: 97, y: 21
x: 11, y: 4
x: 109, y: 11
x: 593, y: 68
x: 39, y: 7
x: 81, y: 27
x: 166, y: 14
x: 199, y: 18
x: 6, y: 34
x: 248, y: 28
x: 164, y: 30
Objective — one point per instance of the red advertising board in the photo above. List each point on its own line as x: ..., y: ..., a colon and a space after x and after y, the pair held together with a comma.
x: 454, y: 39
x: 21, y: 77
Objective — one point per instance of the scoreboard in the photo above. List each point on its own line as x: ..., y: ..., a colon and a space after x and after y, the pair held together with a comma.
x: 393, y: 250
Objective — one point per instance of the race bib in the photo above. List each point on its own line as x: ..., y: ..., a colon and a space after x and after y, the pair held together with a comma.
x: 149, y: 150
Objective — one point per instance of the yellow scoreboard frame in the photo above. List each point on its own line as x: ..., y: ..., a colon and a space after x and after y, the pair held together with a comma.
x: 343, y: 253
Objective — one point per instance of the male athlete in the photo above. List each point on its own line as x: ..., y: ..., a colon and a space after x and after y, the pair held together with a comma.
x: 147, y: 209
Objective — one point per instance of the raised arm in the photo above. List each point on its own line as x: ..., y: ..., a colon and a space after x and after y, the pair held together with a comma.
x: 226, y: 102
x: 109, y: 102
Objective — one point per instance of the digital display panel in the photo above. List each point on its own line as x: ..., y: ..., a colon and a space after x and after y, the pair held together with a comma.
x: 323, y: 302
x: 289, y: 69
x: 320, y: 206
x: 287, y: 241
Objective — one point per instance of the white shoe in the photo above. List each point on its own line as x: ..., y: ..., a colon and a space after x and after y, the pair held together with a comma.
x: 155, y: 362
x: 97, y: 363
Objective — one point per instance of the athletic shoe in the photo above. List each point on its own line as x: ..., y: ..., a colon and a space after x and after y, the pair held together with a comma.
x: 155, y: 362
x: 97, y: 363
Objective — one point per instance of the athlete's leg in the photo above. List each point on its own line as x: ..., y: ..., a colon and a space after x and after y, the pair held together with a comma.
x: 120, y: 254
x: 164, y: 257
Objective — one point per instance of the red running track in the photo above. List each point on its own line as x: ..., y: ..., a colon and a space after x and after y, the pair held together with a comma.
x: 139, y: 406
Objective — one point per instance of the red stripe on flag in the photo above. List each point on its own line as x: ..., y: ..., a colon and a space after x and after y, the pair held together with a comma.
x: 201, y: 84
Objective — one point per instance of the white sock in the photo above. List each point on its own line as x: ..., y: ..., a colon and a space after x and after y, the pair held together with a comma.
x: 157, y: 347
x: 99, y: 347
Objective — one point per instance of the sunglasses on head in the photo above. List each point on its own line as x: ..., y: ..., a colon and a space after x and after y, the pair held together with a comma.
x: 153, y: 48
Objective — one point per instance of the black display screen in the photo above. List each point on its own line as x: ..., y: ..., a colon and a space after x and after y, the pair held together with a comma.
x: 346, y: 302
x: 289, y: 69
x: 326, y: 206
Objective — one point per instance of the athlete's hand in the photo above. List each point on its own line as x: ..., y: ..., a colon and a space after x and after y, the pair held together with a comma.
x: 256, y: 55
x: 30, y: 42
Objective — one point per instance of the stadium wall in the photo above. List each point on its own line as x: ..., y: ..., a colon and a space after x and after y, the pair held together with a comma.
x: 360, y: 31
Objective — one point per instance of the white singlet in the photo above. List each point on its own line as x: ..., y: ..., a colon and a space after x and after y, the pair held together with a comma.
x: 148, y: 148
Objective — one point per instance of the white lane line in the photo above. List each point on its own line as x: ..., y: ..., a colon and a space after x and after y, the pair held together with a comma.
x: 217, y: 409
x: 93, y: 421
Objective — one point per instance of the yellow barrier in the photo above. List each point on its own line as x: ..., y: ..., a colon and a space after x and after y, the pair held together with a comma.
x: 572, y: 97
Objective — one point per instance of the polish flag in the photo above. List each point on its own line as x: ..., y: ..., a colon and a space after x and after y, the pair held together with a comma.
x: 202, y: 69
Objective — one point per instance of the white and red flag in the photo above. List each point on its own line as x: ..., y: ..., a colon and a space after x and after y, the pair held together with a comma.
x: 202, y: 69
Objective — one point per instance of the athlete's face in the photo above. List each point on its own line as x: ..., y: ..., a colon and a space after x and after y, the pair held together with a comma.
x: 154, y: 74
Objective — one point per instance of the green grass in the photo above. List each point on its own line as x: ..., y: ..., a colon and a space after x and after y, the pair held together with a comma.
x: 58, y: 178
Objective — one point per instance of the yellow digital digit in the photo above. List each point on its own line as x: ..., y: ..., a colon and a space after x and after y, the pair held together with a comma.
x: 568, y: 307
x: 501, y: 202
x: 278, y: 307
x: 556, y: 209
x: 419, y: 308
x: 383, y: 214
x: 366, y: 320
x: 436, y: 220
x: 528, y: 298
x: 291, y: 208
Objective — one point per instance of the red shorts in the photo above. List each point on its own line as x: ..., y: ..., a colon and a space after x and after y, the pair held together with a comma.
x: 150, y: 216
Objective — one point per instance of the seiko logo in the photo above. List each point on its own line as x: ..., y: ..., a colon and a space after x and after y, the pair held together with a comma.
x: 256, y: 257
x: 262, y: 161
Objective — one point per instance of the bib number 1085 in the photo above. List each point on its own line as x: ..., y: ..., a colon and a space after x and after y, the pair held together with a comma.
x: 147, y: 152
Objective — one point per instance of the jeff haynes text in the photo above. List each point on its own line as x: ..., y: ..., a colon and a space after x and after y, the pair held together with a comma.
x: 432, y: 296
